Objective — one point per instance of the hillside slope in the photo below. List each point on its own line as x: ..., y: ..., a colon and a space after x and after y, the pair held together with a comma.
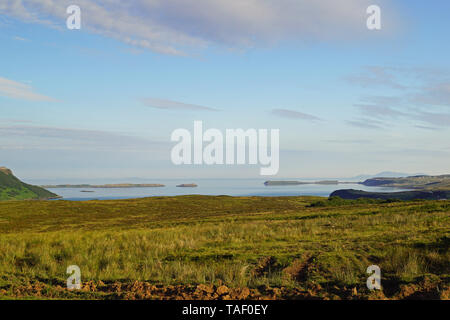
x: 11, y: 188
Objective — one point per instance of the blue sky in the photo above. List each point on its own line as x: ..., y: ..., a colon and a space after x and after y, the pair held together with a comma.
x: 87, y: 103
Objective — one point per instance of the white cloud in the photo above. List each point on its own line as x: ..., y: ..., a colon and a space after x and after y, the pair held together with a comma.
x: 174, y: 26
x: 18, y: 90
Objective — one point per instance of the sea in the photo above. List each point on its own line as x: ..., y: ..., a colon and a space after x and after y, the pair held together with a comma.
x: 229, y: 187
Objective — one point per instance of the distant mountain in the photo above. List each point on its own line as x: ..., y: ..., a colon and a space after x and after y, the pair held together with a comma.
x: 11, y: 188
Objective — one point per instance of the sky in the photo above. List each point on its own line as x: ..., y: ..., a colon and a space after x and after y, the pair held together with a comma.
x: 102, y: 101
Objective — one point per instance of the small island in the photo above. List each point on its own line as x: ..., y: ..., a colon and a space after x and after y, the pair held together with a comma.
x: 104, y: 186
x: 187, y: 185
x: 294, y: 183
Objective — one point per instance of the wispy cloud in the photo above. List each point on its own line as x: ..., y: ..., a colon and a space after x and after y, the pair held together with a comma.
x: 422, y: 92
x: 437, y: 119
x: 174, y: 105
x: 351, y: 141
x: 17, y: 90
x: 20, y: 38
x: 377, y: 114
x: 14, y: 121
x: 377, y: 76
x: 74, y: 139
x: 433, y: 94
x: 382, y: 100
x: 365, y: 123
x: 175, y: 26
x: 426, y: 128
x: 379, y: 111
x: 292, y: 114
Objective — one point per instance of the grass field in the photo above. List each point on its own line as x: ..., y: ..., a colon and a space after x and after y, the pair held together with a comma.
x: 206, y: 247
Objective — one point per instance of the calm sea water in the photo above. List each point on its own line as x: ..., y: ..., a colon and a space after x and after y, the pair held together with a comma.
x: 230, y: 187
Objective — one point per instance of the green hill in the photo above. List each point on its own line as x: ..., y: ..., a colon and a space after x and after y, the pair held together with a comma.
x: 11, y: 188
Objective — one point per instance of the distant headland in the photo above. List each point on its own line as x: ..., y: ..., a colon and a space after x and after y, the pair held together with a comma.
x: 417, y: 187
x: 421, y: 186
x: 421, y: 182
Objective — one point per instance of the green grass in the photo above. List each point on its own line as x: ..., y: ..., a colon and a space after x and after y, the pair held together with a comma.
x: 191, y: 240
